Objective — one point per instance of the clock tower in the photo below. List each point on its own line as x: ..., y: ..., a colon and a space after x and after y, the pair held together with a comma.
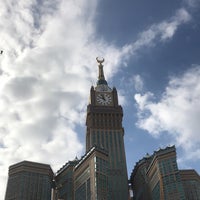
x: 105, y: 130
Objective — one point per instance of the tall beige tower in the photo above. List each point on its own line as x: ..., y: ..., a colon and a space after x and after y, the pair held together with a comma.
x: 105, y: 130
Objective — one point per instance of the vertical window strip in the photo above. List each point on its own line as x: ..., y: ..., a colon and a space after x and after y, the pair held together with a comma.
x: 116, y: 148
x: 106, y: 133
x: 102, y: 139
x: 98, y: 138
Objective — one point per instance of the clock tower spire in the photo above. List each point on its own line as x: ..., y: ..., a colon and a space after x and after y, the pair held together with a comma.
x: 101, y: 78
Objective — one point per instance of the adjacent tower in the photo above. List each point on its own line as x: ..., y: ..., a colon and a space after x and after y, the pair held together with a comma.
x: 157, y: 177
x: 105, y: 130
x: 29, y: 180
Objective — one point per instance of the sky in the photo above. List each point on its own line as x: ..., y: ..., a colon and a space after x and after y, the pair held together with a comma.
x: 151, y: 51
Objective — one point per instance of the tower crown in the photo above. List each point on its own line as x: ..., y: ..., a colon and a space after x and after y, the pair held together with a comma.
x: 101, y: 79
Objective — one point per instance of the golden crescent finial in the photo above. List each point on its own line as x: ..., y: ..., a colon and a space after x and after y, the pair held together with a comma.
x: 100, y: 60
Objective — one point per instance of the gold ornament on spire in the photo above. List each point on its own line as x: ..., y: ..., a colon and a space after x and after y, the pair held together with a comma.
x: 101, y: 78
x: 100, y: 60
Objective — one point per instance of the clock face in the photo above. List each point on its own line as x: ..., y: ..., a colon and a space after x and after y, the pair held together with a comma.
x: 104, y: 99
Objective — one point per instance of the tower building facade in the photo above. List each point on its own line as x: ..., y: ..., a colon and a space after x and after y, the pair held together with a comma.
x: 105, y: 130
x: 157, y: 177
x: 29, y: 180
x: 191, y: 184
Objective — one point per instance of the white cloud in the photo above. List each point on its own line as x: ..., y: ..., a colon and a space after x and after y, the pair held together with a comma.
x: 192, y: 3
x: 138, y: 82
x: 158, y: 32
x: 168, y: 28
x: 177, y: 112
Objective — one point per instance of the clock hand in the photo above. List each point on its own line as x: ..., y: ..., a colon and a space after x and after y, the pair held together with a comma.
x: 103, y: 97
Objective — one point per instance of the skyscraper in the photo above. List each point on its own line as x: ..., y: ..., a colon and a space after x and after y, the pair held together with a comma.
x: 158, y: 177
x: 63, y: 183
x: 191, y: 184
x: 91, y: 176
x: 105, y: 130
x: 29, y: 181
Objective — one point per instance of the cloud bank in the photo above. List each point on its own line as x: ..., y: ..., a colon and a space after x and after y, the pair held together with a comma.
x: 177, y: 112
x: 46, y: 71
x: 156, y: 33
